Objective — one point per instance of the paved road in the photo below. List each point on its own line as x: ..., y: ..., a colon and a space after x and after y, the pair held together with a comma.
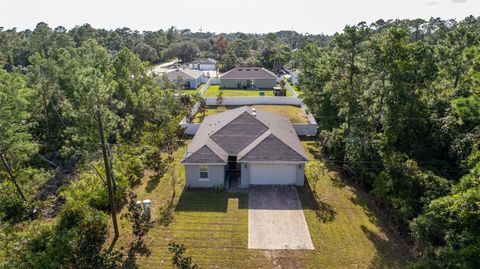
x: 276, y: 220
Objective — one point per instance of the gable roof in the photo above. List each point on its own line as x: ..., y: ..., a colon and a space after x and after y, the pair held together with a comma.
x: 249, y: 73
x: 259, y: 137
x: 184, y: 73
x: 239, y: 133
x: 204, y: 61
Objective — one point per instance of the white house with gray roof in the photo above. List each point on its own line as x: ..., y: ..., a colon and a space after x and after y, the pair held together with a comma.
x: 248, y: 78
x: 245, y: 146
x: 191, y: 78
x: 203, y: 64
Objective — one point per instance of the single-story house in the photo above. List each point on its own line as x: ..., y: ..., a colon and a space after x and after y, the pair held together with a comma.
x: 191, y: 78
x: 243, y: 147
x: 248, y: 78
x: 203, y: 64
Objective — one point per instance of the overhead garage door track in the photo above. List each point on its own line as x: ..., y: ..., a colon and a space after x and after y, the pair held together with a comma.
x: 276, y: 219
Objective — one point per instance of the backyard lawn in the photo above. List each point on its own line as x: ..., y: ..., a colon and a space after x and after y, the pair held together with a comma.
x: 294, y: 113
x: 193, y: 91
x: 214, y: 89
x: 213, y: 226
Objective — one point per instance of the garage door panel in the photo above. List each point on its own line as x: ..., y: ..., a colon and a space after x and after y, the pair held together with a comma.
x: 268, y: 174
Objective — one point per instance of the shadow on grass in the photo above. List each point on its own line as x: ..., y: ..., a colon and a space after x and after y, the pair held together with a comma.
x: 166, y: 214
x: 337, y: 182
x: 152, y: 183
x: 134, y: 250
x: 203, y: 200
x: 324, y: 211
x: 368, y: 208
x: 388, y: 255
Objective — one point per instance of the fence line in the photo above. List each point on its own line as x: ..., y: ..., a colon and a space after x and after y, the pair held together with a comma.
x: 255, y: 100
x: 302, y: 129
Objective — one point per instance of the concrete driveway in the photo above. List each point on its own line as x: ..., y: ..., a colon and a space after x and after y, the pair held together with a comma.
x: 276, y: 220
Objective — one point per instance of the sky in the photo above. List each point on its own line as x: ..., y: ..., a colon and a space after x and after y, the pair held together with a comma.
x: 219, y: 16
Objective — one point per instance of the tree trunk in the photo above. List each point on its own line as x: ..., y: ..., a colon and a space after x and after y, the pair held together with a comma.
x: 108, y: 173
x: 12, y: 176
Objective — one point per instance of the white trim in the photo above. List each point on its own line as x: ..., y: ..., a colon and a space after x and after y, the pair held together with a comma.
x: 274, y: 162
x: 203, y: 179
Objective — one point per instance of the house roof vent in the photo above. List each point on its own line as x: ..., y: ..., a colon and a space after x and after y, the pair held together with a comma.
x: 254, y: 113
x: 254, y: 109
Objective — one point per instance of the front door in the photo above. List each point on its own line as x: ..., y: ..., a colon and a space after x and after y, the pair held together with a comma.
x: 233, y: 171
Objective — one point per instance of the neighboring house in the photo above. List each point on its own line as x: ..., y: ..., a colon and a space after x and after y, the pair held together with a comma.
x: 204, y: 64
x: 248, y: 78
x: 191, y: 78
x: 245, y: 146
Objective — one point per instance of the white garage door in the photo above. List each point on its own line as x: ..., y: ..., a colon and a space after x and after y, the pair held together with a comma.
x: 265, y: 174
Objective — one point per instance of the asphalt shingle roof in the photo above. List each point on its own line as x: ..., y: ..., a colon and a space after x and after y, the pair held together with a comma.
x: 258, y: 137
x: 248, y: 73
x: 184, y: 73
x: 239, y: 133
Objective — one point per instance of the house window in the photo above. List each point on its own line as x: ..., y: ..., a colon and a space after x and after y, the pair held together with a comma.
x: 203, y: 171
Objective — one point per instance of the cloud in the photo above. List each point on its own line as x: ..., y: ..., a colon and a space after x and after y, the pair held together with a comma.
x: 459, y: 1
x: 431, y: 3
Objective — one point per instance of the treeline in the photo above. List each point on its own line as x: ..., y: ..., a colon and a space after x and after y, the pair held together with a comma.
x: 398, y: 108
x: 54, y: 87
x: 237, y: 49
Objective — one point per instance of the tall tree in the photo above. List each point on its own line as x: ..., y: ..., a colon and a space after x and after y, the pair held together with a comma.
x: 16, y: 142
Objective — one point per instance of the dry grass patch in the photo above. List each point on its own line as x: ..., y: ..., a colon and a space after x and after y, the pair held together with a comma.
x: 294, y: 113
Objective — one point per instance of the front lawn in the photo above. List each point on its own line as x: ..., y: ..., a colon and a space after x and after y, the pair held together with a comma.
x: 213, y: 90
x: 294, y: 113
x: 213, y: 225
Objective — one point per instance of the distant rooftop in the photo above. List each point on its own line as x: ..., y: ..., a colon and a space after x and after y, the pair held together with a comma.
x: 185, y: 73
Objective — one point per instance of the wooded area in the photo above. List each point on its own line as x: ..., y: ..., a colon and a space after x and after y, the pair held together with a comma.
x: 398, y: 107
x: 397, y: 103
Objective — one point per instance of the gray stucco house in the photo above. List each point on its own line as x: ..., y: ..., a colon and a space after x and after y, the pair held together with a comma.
x: 248, y: 78
x: 191, y: 78
x: 245, y: 146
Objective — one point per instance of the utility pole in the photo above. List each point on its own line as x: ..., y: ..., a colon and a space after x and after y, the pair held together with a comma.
x: 108, y: 172
x: 12, y: 176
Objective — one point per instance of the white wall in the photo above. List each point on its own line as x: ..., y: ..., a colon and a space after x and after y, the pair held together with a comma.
x: 255, y: 100
x: 290, y: 89
x: 302, y: 129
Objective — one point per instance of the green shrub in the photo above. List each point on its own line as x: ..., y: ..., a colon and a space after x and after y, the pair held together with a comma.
x: 131, y: 167
x: 75, y: 240
x: 89, y: 189
x: 12, y: 206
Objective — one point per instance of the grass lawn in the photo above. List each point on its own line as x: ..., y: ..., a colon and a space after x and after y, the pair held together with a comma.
x: 213, y: 90
x: 213, y: 226
x: 194, y: 91
x: 294, y: 113
x: 294, y: 87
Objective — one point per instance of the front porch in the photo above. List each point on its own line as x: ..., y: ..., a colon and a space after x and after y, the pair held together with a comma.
x: 233, y: 176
